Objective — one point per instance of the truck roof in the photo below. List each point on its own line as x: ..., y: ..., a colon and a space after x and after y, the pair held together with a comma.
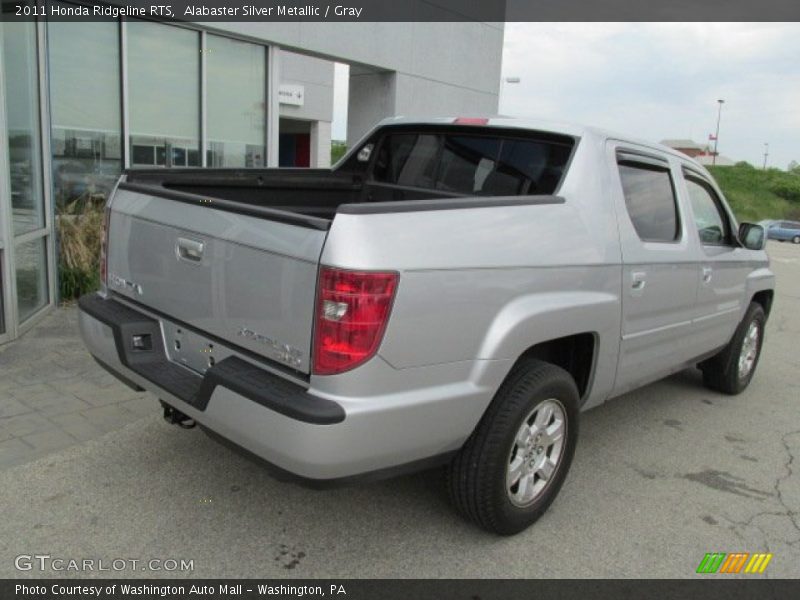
x: 572, y: 129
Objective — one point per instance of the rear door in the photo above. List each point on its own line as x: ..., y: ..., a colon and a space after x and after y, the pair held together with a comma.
x: 250, y: 281
x: 723, y: 265
x: 660, y: 273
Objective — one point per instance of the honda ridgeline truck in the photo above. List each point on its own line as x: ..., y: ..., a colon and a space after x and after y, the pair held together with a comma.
x: 453, y: 292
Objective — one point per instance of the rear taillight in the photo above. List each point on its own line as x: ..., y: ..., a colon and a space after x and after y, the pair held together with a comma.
x: 104, y: 248
x: 353, y: 308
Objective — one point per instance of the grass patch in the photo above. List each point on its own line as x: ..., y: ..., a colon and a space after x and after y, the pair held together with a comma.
x: 79, y: 227
x: 338, y: 150
x: 755, y: 194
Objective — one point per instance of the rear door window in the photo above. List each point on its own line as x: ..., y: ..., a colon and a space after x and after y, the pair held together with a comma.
x: 650, y: 200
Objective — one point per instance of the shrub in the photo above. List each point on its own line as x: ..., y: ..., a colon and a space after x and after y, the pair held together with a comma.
x: 787, y: 188
x: 79, y: 229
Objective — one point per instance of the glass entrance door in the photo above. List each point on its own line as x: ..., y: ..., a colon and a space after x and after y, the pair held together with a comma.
x: 26, y: 218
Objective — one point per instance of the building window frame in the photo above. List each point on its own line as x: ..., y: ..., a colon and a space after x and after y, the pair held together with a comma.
x: 8, y: 241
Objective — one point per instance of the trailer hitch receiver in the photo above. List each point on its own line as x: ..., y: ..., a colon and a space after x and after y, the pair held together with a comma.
x: 175, y: 417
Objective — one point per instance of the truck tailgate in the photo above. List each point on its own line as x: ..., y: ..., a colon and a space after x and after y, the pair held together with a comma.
x: 246, y: 280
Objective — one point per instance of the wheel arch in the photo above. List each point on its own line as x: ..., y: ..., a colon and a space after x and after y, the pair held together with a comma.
x: 765, y: 299
x: 577, y: 330
x: 575, y: 353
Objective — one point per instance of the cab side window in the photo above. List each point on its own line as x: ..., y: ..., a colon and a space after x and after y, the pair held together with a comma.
x: 709, y: 216
x: 650, y: 200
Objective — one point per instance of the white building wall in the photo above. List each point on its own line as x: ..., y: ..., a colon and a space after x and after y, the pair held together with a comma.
x: 321, y: 144
x: 440, y: 68
x: 316, y: 77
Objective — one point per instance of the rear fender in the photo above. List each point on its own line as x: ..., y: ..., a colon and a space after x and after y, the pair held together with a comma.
x: 532, y: 319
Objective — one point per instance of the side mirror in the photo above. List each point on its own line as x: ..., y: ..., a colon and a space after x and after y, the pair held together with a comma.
x: 752, y: 236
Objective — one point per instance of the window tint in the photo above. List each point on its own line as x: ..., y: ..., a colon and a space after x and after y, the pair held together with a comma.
x: 407, y: 159
x: 650, y: 199
x: 712, y: 225
x: 465, y: 164
x: 528, y: 167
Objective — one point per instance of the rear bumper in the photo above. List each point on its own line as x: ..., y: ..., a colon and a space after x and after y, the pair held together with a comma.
x: 301, y: 434
x: 232, y: 373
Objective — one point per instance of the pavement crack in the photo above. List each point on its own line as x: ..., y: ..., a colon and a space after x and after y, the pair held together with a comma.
x: 792, y: 514
x: 738, y: 527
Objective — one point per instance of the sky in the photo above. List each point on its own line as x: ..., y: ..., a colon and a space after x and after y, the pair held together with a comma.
x: 655, y: 81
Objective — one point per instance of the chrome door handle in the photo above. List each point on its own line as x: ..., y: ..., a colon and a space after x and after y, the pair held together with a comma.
x: 638, y: 282
x: 190, y: 250
x: 708, y: 274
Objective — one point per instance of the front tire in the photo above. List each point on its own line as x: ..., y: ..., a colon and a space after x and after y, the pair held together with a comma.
x: 732, y: 369
x: 513, y: 465
x: 796, y: 239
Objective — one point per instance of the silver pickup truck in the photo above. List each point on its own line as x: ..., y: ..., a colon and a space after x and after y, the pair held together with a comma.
x: 454, y: 292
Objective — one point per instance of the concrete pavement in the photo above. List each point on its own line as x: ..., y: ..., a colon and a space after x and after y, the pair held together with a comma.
x: 54, y: 395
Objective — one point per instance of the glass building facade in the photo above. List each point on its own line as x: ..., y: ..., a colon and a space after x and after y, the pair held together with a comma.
x: 80, y: 102
x: 26, y: 232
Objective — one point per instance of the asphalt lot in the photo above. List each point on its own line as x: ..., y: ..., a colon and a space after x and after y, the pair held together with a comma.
x: 661, y: 476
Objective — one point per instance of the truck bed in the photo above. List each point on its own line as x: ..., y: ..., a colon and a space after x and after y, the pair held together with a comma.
x: 314, y: 193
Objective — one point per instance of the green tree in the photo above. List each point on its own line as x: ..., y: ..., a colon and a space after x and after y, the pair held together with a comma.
x: 338, y: 149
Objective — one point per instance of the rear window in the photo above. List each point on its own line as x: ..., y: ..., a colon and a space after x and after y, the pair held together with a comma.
x: 472, y: 164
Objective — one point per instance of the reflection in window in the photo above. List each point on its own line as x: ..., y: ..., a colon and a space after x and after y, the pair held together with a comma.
x: 164, y: 84
x: 528, y: 167
x: 711, y: 225
x: 22, y: 116
x: 31, y: 266
x: 466, y: 162
x: 236, y: 76
x: 85, y: 108
x: 408, y: 159
x: 650, y: 200
x: 479, y: 165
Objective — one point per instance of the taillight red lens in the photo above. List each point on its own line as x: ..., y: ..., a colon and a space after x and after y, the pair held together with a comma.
x: 353, y: 308
x: 104, y: 247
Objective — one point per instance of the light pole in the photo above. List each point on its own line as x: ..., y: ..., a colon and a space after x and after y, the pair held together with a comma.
x: 503, y: 82
x: 716, y: 136
x: 766, y: 154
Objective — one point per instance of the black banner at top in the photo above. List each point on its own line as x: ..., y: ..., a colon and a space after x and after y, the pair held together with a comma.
x: 404, y: 10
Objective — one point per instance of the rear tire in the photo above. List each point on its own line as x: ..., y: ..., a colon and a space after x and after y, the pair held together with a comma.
x: 796, y: 239
x: 528, y: 436
x: 732, y: 369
